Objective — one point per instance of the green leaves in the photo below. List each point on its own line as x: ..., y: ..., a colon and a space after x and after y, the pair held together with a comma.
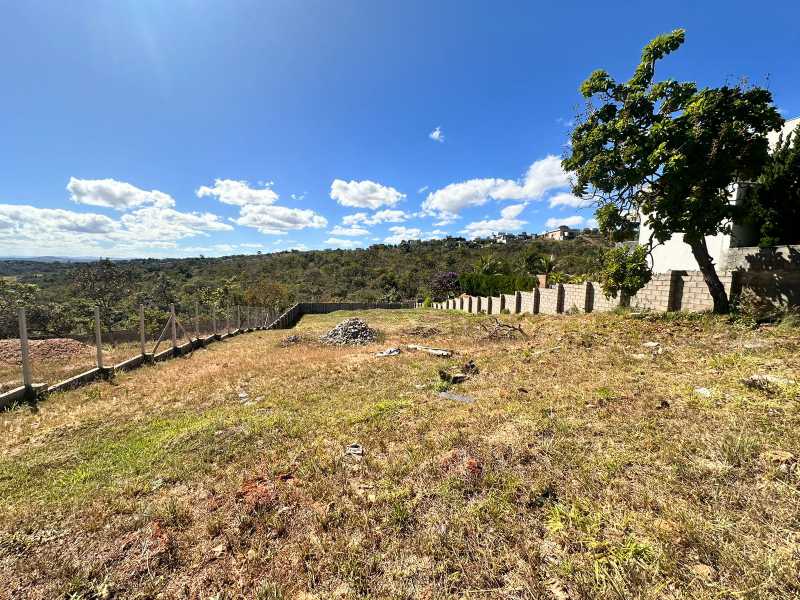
x: 625, y: 270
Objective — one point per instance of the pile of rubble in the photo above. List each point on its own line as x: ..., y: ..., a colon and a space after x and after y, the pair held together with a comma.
x: 350, y: 332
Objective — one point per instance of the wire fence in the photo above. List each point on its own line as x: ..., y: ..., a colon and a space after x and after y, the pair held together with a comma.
x: 60, y: 350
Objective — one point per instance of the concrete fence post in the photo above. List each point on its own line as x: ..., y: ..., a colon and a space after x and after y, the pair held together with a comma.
x: 197, y: 319
x: 238, y: 317
x: 173, y: 328
x: 98, y: 337
x: 27, y: 377
x: 228, y: 319
x: 214, y: 319
x: 141, y: 330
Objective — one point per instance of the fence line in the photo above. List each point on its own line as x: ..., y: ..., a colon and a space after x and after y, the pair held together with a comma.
x: 254, y: 319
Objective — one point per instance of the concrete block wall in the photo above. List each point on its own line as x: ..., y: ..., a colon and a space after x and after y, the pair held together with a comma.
x: 497, y: 305
x: 551, y: 300
x: 530, y: 302
x: 690, y: 292
x: 511, y: 302
x: 602, y: 304
x: 657, y: 294
x: 576, y: 297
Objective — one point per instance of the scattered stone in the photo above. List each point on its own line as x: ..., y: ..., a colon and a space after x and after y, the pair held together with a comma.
x: 651, y: 345
x: 457, y: 397
x: 663, y: 404
x: 470, y: 368
x: 766, y: 382
x: 290, y: 340
x: 452, y: 378
x: 522, y: 390
x: 433, y: 351
x: 639, y: 356
x: 219, y: 550
x: 354, y: 450
x: 422, y: 331
x: 388, y: 352
x: 703, y: 391
x: 350, y: 332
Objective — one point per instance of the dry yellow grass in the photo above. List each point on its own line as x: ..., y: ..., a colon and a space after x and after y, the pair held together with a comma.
x: 587, y: 467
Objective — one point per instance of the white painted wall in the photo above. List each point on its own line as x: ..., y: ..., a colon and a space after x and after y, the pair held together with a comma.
x: 675, y: 255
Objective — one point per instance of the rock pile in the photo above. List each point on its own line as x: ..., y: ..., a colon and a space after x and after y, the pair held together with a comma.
x: 350, y: 332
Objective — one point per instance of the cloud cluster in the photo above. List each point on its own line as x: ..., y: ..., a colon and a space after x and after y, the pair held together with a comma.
x: 542, y: 176
x: 135, y: 233
x: 257, y: 208
x: 348, y: 231
x: 364, y: 194
x: 567, y: 199
x: 437, y: 135
x: 509, y: 221
x: 110, y: 193
x: 342, y: 243
x: 376, y: 218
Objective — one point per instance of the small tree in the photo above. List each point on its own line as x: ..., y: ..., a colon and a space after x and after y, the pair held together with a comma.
x: 625, y: 270
x: 106, y: 284
x: 444, y: 284
x: 670, y: 152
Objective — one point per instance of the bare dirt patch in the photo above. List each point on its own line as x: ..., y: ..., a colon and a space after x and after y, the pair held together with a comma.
x: 51, y: 349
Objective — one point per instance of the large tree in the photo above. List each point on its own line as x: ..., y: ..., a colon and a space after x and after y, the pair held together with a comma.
x: 670, y: 152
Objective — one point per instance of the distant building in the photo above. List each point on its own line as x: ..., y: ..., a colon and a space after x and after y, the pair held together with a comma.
x: 561, y: 234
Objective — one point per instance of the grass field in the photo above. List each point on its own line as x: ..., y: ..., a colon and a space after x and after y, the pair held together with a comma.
x: 588, y: 466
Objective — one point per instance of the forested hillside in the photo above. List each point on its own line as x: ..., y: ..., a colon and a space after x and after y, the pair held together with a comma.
x: 61, y: 295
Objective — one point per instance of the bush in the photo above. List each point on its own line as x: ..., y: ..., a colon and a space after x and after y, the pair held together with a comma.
x: 624, y: 270
x: 480, y: 284
x: 427, y: 302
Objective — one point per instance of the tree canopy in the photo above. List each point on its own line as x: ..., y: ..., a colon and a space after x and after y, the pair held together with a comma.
x: 669, y: 151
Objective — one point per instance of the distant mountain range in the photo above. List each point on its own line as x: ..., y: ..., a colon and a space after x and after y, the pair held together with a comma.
x: 63, y: 259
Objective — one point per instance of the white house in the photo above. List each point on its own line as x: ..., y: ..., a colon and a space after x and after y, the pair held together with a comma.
x: 676, y: 255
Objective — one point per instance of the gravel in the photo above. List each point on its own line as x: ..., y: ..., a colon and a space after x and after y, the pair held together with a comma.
x: 350, y: 332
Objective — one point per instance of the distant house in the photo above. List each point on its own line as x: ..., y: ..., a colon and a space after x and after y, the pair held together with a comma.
x: 675, y: 255
x: 560, y: 234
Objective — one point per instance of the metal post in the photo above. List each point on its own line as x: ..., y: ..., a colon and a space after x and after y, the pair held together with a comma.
x: 141, y: 328
x: 173, y: 328
x: 27, y: 378
x: 197, y: 319
x: 98, y: 337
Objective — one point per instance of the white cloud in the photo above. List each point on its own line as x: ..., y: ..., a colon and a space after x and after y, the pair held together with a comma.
x: 278, y: 220
x: 348, y: 231
x: 341, y: 243
x: 239, y: 193
x: 423, y: 189
x: 256, y: 246
x: 437, y: 135
x: 257, y: 208
x: 507, y: 222
x: 567, y: 199
x: 381, y: 216
x: 364, y: 194
x: 25, y: 229
x: 400, y: 233
x: 110, y: 193
x: 573, y: 221
x: 542, y: 176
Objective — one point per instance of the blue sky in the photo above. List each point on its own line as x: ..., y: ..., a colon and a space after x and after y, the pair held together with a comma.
x: 151, y: 128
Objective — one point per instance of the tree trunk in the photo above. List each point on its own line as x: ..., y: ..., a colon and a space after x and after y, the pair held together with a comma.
x: 706, y: 263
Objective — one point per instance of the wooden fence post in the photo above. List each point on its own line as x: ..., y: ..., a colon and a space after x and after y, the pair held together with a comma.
x: 197, y: 319
x: 173, y: 328
x: 98, y: 337
x: 27, y: 377
x: 141, y: 328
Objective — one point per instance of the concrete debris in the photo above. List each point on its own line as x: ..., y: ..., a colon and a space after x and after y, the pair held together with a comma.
x: 703, y: 391
x: 354, y: 450
x: 452, y: 378
x: 651, y: 345
x: 766, y: 382
x: 388, y: 352
x: 470, y: 368
x: 350, y: 332
x: 290, y: 340
x: 433, y: 351
x: 457, y: 397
